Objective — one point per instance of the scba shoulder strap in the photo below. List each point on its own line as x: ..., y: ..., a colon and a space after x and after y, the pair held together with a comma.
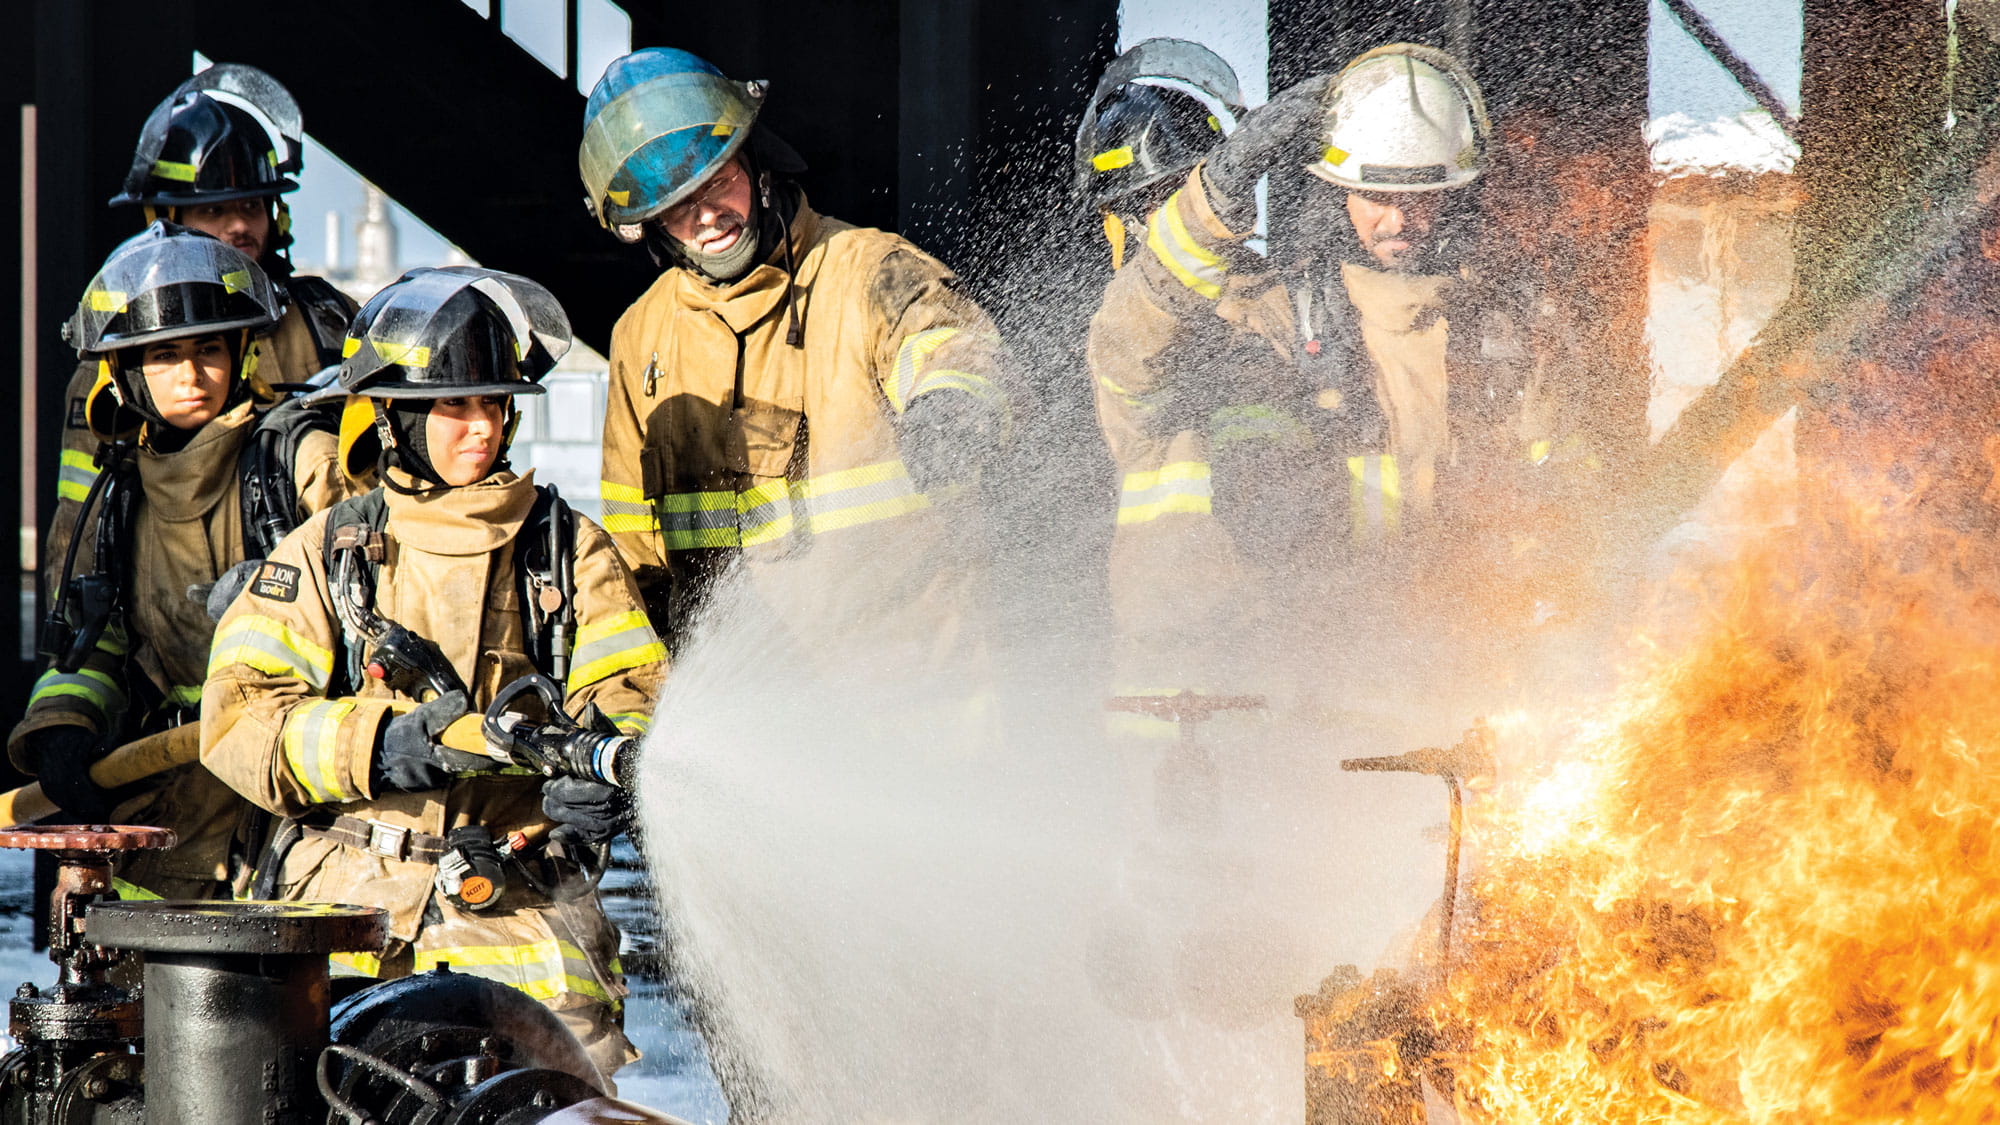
x: 544, y: 569
x: 269, y: 492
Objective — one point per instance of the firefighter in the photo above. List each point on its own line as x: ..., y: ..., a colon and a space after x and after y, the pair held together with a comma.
x: 1140, y: 136
x: 771, y: 322
x: 167, y: 325
x: 217, y: 156
x: 492, y: 578
x: 1272, y: 414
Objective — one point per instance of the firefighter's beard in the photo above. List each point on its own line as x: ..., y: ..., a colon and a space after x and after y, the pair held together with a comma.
x: 730, y: 264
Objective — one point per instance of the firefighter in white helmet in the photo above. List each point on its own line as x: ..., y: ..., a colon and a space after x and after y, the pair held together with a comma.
x: 1326, y: 396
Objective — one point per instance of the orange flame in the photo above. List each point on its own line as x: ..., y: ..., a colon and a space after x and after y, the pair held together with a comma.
x: 1768, y: 889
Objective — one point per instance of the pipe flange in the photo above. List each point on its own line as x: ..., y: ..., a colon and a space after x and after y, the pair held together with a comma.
x: 232, y: 928
x: 73, y: 1014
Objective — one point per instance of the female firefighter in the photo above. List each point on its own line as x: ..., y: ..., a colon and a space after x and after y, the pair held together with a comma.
x: 168, y: 321
x: 466, y: 576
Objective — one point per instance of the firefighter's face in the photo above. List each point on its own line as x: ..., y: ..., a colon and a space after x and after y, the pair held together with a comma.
x: 1395, y: 227
x: 712, y: 219
x: 464, y: 437
x: 188, y: 379
x: 242, y: 223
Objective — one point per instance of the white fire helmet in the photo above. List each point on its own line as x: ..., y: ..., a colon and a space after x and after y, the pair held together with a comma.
x: 1403, y: 118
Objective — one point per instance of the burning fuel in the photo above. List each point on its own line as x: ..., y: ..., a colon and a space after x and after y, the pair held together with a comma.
x: 1765, y: 889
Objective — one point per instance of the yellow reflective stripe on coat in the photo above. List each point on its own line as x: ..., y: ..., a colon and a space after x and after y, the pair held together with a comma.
x: 634, y: 723
x: 542, y: 969
x: 625, y: 509
x: 910, y: 356
x: 1178, y: 487
x: 311, y: 742
x: 89, y: 684
x: 75, y: 475
x: 770, y: 511
x: 1375, y: 496
x: 1168, y: 237
x: 132, y: 892
x: 353, y: 965
x: 852, y: 497
x: 184, y: 695
x: 272, y: 648
x: 698, y: 519
x: 605, y: 648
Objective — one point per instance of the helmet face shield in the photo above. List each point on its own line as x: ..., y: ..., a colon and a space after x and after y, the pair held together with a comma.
x: 460, y: 330
x: 1115, y: 152
x: 166, y: 283
x: 651, y: 145
x: 230, y: 132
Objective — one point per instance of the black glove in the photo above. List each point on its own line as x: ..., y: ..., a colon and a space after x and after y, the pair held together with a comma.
x: 1288, y: 125
x: 586, y: 812
x: 410, y: 758
x: 218, y: 596
x: 66, y: 754
x: 948, y: 438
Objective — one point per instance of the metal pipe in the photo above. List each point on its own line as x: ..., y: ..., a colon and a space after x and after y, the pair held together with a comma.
x: 1746, y: 76
x: 232, y: 1040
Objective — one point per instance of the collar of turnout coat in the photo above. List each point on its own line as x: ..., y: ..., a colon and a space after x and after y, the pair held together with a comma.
x: 471, y: 519
x: 187, y: 483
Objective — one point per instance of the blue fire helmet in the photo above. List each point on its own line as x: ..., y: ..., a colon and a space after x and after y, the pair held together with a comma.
x: 659, y: 123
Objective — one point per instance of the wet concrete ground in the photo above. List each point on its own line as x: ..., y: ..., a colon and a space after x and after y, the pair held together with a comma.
x: 673, y: 1076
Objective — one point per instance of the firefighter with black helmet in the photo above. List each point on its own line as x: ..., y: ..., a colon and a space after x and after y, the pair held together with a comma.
x: 1144, y: 129
x: 166, y: 326
x: 217, y: 156
x: 790, y: 383
x: 478, y: 576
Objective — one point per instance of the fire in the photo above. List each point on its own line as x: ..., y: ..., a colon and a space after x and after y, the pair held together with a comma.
x: 1767, y: 889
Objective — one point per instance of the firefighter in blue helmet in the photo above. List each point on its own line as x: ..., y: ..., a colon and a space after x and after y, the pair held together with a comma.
x: 770, y: 321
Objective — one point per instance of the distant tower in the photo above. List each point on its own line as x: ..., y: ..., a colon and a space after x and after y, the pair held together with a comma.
x: 374, y: 240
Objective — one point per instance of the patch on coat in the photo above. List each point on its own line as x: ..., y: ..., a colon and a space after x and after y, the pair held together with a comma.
x: 276, y: 582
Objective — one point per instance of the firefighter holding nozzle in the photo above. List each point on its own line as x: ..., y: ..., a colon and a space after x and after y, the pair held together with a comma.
x: 383, y: 627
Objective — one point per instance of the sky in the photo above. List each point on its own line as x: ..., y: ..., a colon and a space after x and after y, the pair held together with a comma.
x: 1684, y: 80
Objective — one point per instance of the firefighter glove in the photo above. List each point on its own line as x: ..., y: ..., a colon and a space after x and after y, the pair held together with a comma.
x: 585, y: 812
x: 410, y: 758
x: 1279, y: 131
x: 66, y: 754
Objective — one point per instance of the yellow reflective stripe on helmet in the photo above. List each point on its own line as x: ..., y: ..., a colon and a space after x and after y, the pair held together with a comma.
x: 1375, y: 496
x: 87, y: 684
x: 236, y: 281
x: 353, y: 965
x: 403, y: 353
x: 132, y: 892
x: 910, y: 356
x: 626, y: 509
x: 74, y: 477
x: 107, y: 300
x: 1176, y: 487
x: 607, y: 647
x: 1109, y: 159
x: 699, y: 519
x: 542, y: 969
x: 271, y: 648
x: 852, y: 497
x: 1167, y: 236
x: 311, y: 741
x: 764, y: 512
x: 175, y: 170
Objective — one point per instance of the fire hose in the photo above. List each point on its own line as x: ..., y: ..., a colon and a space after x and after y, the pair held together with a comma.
x: 177, y: 746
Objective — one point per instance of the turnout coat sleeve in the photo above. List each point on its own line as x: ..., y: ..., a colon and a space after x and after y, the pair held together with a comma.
x: 267, y: 727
